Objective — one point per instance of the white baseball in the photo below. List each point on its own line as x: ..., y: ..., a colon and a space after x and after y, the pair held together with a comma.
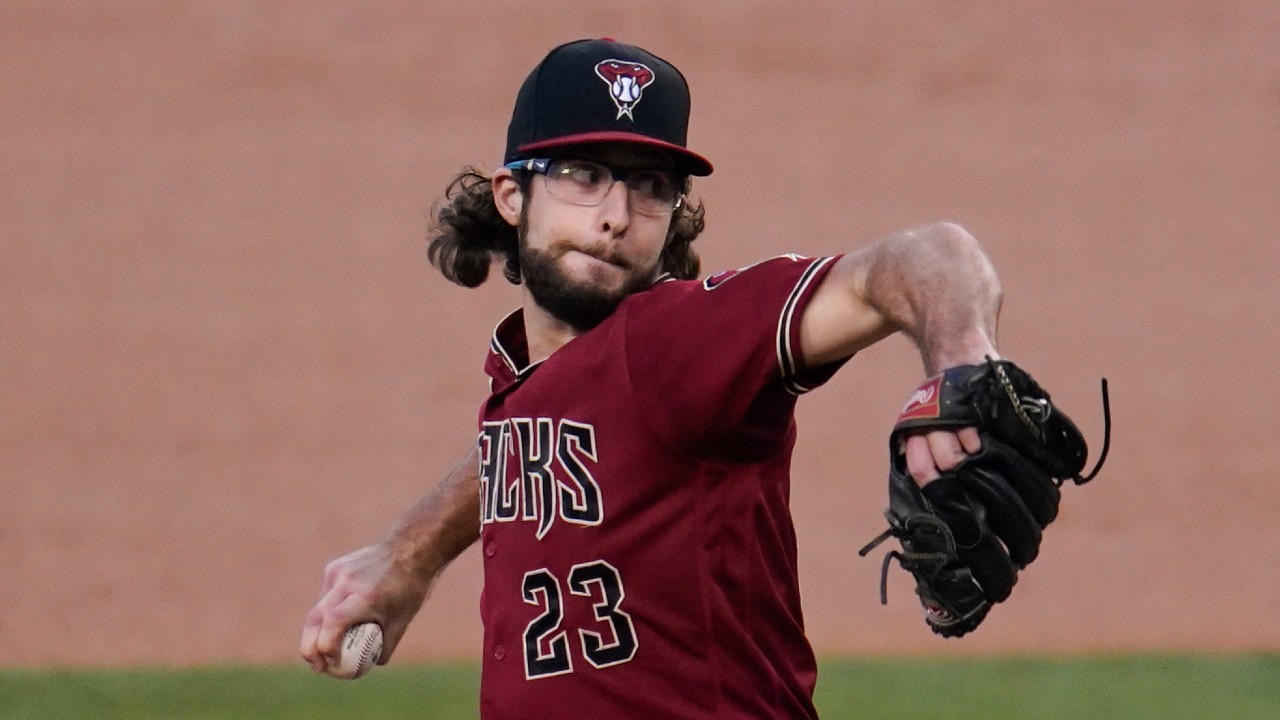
x: 361, y: 648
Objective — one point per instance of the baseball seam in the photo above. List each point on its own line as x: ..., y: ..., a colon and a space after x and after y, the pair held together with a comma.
x: 365, y: 652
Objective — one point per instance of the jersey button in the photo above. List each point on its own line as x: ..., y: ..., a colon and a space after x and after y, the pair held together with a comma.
x: 499, y: 652
x: 490, y: 550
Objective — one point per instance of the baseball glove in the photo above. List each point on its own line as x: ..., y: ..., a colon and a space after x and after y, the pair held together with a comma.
x: 966, y: 535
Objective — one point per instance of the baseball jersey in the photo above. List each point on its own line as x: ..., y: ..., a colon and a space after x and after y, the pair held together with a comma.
x: 639, y: 554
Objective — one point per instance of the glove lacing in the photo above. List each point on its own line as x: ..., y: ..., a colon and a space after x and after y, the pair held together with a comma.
x: 911, y: 561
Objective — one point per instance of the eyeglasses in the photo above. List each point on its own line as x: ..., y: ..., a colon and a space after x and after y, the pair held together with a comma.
x: 581, y: 182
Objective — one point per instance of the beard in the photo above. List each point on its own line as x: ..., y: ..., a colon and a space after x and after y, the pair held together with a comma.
x: 579, y: 305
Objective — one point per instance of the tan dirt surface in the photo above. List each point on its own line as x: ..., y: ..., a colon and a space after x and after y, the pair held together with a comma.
x: 226, y: 360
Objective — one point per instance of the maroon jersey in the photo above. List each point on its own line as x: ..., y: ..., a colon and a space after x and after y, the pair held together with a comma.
x: 639, y: 554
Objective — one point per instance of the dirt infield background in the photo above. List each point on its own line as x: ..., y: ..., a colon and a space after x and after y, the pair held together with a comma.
x: 226, y: 361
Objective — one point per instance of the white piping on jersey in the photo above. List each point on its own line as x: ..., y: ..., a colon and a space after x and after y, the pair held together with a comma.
x: 501, y: 352
x: 787, y: 362
x: 497, y: 348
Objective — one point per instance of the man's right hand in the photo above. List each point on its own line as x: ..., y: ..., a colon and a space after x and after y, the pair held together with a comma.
x: 386, y: 583
x: 369, y: 585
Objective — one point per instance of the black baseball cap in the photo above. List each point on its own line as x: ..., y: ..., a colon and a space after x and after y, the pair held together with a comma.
x: 590, y: 91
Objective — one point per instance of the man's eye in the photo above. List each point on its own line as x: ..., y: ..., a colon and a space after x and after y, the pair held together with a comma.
x: 583, y: 174
x: 652, y: 183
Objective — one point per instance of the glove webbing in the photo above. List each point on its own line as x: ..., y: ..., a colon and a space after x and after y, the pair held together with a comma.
x: 1025, y: 407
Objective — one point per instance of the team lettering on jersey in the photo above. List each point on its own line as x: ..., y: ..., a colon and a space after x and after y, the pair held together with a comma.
x: 538, y: 470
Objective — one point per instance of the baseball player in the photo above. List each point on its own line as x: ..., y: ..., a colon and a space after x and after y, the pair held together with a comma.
x: 629, y: 484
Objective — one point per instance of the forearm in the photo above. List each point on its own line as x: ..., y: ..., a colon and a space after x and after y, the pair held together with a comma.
x: 936, y: 286
x: 387, y: 582
x: 443, y: 524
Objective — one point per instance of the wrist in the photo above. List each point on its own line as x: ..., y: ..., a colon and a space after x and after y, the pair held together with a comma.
x: 970, y: 348
x: 412, y: 553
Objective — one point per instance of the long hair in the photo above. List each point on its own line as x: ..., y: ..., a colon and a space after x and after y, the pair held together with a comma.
x: 469, y: 234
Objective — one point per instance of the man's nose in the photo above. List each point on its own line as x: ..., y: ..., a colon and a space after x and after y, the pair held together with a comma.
x: 615, y: 208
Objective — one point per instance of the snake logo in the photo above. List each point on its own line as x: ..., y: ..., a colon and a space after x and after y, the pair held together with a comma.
x: 626, y: 81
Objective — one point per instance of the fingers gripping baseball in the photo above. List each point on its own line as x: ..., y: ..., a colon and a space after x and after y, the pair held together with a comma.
x: 368, y: 585
x: 340, y: 608
x: 345, y: 596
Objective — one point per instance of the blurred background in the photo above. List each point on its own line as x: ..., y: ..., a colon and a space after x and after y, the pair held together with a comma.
x: 225, y: 359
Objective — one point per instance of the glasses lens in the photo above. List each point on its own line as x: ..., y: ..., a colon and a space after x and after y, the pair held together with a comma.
x: 581, y: 182
x: 653, y: 191
x: 578, y: 181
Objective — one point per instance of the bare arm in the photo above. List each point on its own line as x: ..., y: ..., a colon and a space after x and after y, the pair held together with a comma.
x: 444, y: 523
x: 386, y: 583
x: 935, y: 285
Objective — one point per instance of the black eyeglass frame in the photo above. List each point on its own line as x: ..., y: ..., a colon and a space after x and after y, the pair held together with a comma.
x: 542, y: 166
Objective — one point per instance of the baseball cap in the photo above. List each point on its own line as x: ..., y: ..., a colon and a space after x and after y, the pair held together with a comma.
x: 589, y: 91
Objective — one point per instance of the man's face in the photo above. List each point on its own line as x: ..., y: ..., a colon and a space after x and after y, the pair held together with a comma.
x: 580, y: 261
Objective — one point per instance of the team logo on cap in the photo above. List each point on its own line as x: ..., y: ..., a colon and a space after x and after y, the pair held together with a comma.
x: 626, y: 81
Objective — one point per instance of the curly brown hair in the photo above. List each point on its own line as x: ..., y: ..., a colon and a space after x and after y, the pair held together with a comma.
x: 469, y: 234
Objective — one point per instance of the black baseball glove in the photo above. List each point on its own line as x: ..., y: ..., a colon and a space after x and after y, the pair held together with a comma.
x: 966, y: 534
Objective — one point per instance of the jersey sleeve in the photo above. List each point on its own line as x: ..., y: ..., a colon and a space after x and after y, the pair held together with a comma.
x: 715, y: 364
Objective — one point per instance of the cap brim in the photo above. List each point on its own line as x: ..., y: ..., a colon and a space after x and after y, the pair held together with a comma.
x: 686, y: 161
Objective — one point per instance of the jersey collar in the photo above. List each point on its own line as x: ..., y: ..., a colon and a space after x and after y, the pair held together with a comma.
x: 508, y: 358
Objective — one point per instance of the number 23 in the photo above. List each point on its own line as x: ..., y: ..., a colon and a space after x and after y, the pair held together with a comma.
x: 591, y: 580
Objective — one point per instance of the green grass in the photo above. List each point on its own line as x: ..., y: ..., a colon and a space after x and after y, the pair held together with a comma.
x: 1241, y: 687
x: 240, y: 693
x: 1168, y: 687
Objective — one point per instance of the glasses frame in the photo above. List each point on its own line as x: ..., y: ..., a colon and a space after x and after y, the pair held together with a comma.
x: 542, y: 166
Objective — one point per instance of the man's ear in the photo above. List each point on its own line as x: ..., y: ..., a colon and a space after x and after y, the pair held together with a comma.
x: 507, y: 196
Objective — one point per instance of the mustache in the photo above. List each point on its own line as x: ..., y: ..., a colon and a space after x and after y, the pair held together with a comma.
x: 602, y: 251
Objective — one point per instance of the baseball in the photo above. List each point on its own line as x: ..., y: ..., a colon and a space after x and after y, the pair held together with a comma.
x: 361, y: 648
